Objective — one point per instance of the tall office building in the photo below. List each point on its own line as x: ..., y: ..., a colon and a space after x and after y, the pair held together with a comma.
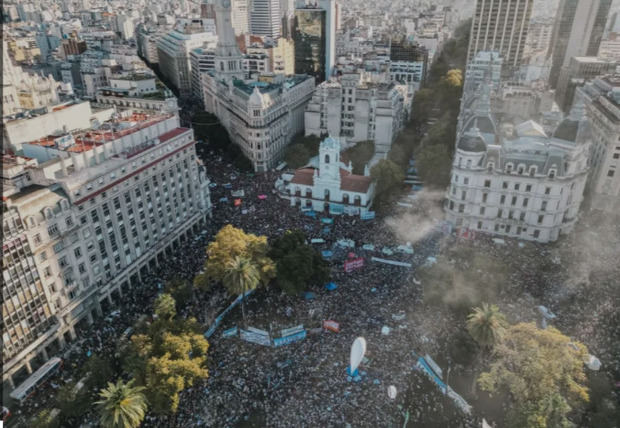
x: 314, y: 36
x: 265, y: 18
x: 501, y: 26
x: 577, y: 32
x: 240, y: 19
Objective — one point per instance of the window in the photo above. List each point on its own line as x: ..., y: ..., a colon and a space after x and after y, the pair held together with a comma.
x: 43, y: 256
x: 77, y: 252
x: 502, y: 200
x: 482, y: 210
x: 499, y: 213
x: 611, y: 173
x: 616, y: 155
x: 461, y: 208
x: 543, y: 206
x: 540, y: 219
x: 505, y: 185
x: 52, y: 230
x: 69, y: 221
x: 547, y: 190
x: 466, y: 180
x: 514, y: 200
x: 528, y: 188
x: 552, y: 173
x: 522, y: 216
x: 37, y: 238
x: 463, y: 195
x: 484, y: 197
x: 525, y: 201
x: 487, y: 183
x: 536, y: 233
x: 479, y: 225
x: 517, y: 186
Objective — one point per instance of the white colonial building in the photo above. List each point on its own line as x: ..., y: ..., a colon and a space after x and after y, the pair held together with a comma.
x: 83, y: 218
x: 261, y: 115
x: 517, y: 181
x: 328, y: 184
x: 355, y: 109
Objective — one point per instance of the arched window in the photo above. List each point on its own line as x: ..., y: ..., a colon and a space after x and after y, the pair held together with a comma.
x: 490, y: 166
x: 468, y: 163
x: 357, y: 200
x: 327, y: 194
x: 326, y: 158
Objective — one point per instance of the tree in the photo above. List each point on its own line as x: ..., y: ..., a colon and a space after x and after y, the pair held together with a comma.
x: 167, y: 356
x: 359, y: 155
x: 298, y: 264
x: 434, y: 163
x: 424, y: 102
x: 388, y: 176
x: 165, y: 307
x: 46, y: 418
x: 240, y: 277
x: 301, y: 149
x: 487, y: 325
x: 296, y: 155
x: 72, y: 401
x: 122, y: 405
x: 542, y: 370
x: 98, y: 371
x: 180, y: 290
x: 231, y: 242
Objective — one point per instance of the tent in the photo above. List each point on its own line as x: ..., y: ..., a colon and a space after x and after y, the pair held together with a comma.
x: 308, y: 295
x: 331, y: 286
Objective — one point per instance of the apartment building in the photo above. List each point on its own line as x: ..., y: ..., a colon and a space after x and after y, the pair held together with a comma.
x: 86, y: 214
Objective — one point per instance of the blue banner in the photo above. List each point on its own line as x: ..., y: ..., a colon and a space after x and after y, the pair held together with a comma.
x: 289, y: 339
x: 369, y: 215
x: 327, y: 220
x: 336, y: 209
x: 327, y: 254
x: 310, y: 214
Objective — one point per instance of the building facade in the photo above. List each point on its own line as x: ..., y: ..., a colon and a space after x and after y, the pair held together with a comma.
x: 521, y: 183
x: 577, y: 32
x: 173, y: 51
x: 329, y: 186
x: 94, y: 212
x: 601, y: 99
x: 265, y: 19
x: 261, y: 115
x: 578, y: 71
x: 356, y: 110
x: 314, y: 36
x: 501, y: 26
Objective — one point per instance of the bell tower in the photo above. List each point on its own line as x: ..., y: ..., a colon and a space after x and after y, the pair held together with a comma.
x: 228, y: 57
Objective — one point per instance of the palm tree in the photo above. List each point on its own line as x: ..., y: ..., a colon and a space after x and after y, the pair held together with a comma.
x: 122, y: 405
x: 487, y: 325
x: 241, y: 275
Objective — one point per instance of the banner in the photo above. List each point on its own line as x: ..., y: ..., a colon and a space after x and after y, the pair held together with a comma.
x: 237, y: 193
x: 391, y: 262
x: 327, y: 220
x: 310, y: 214
x: 237, y: 202
x: 331, y: 326
x: 254, y: 335
x: 220, y: 317
x: 262, y: 197
x: 317, y: 241
x: 289, y: 339
x: 349, y: 210
x: 351, y: 265
x: 292, y: 330
x: 327, y: 254
x: 368, y: 215
x: 368, y: 247
x: 224, y: 199
x: 230, y: 332
x: 336, y: 209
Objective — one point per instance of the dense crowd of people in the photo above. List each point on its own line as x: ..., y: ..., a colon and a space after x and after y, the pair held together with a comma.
x: 305, y: 383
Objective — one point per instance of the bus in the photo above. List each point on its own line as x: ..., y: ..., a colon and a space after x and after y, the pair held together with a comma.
x: 35, y: 380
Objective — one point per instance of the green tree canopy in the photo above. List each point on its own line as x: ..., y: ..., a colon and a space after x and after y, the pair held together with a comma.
x: 434, y: 163
x: 167, y: 357
x: 301, y: 150
x: 122, y: 405
x: 388, y: 177
x: 359, y: 155
x: 180, y: 290
x: 543, y: 371
x: 298, y: 264
x: 241, y: 276
x: 229, y: 243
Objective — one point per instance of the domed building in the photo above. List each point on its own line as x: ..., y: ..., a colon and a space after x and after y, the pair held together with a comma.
x: 523, y: 184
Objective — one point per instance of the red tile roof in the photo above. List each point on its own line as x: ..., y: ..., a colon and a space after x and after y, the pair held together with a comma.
x: 348, y: 182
